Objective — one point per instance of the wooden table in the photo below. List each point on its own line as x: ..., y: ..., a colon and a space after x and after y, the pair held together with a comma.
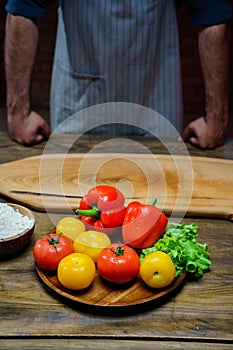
x: 199, y: 315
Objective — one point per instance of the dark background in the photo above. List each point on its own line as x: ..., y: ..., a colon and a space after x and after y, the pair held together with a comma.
x: 191, y: 74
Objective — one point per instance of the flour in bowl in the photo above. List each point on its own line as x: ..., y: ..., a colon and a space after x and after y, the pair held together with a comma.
x: 12, y: 222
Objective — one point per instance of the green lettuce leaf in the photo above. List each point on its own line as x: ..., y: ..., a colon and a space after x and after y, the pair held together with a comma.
x: 179, y: 242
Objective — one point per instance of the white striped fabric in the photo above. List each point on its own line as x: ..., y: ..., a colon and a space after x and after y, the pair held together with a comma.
x: 116, y: 51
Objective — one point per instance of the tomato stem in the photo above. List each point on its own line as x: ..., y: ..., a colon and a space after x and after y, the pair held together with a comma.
x: 54, y: 240
x: 154, y: 201
x: 119, y: 251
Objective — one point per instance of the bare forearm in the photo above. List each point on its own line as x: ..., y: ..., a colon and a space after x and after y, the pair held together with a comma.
x: 210, y: 129
x: 20, y: 50
x: 214, y: 57
x: 24, y: 126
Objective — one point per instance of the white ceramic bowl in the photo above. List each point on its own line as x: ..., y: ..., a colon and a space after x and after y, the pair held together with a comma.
x: 16, y: 242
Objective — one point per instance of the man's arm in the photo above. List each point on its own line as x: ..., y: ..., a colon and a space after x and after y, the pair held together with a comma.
x: 25, y: 126
x: 209, y: 130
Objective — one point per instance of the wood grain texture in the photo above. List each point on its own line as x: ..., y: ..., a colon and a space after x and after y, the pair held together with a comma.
x: 102, y: 295
x: 196, y: 186
x: 198, y: 315
x: 199, y: 310
x: 110, y: 344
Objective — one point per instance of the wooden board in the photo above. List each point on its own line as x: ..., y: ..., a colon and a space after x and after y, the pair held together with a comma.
x: 102, y: 294
x: 105, y: 295
x: 191, y: 186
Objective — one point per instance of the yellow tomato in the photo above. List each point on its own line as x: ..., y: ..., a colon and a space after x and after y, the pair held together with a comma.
x: 76, y: 271
x: 91, y: 243
x: 157, y: 270
x: 70, y: 227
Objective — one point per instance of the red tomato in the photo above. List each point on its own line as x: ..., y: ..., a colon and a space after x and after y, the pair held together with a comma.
x: 118, y: 263
x: 50, y: 249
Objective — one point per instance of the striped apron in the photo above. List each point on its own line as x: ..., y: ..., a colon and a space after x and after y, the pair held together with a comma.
x: 116, y: 51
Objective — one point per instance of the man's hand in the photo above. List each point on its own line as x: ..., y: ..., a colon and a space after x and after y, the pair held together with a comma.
x: 210, y: 130
x: 204, y: 135
x: 24, y: 126
x: 30, y: 130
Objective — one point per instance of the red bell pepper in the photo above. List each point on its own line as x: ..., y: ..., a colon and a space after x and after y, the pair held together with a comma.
x: 143, y: 225
x: 102, y: 209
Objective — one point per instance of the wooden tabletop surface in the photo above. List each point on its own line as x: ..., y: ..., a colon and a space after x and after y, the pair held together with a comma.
x: 198, y: 315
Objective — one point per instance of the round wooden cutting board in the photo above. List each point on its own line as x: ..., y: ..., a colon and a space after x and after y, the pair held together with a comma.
x: 104, y: 295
